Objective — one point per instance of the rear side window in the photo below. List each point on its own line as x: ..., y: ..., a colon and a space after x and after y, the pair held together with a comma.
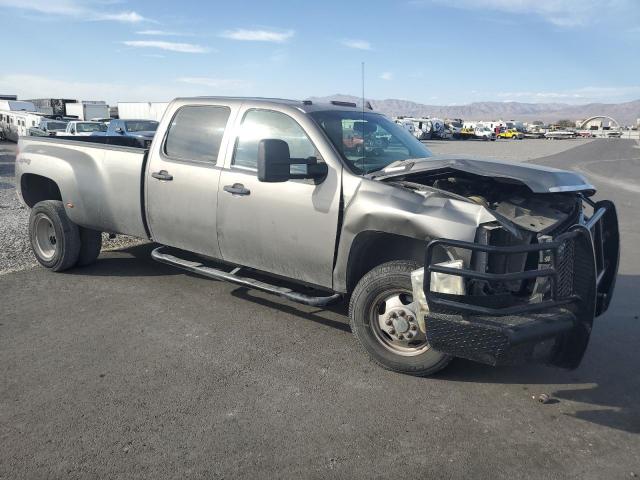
x: 196, y: 132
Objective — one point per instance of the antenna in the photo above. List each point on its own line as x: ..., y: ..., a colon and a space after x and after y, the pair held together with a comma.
x: 364, y: 147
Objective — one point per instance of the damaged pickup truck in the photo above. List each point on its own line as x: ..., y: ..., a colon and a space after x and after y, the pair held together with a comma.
x: 439, y: 257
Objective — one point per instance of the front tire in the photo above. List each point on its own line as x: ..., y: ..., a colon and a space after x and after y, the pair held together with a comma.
x: 55, y: 240
x: 383, y: 319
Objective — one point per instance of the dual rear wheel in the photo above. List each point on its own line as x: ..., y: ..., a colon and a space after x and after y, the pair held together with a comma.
x: 57, y: 242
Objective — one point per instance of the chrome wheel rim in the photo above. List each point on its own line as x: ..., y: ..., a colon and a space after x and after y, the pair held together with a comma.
x: 394, y: 323
x: 45, y: 237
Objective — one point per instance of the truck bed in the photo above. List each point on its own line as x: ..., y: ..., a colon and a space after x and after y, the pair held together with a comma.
x: 100, y: 184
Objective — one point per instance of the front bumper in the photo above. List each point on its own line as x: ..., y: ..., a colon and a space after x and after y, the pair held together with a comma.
x: 552, y: 321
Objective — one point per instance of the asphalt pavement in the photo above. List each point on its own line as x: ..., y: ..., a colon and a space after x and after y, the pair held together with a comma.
x: 132, y: 369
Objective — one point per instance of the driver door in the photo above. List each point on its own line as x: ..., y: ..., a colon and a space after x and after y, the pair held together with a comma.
x: 286, y: 228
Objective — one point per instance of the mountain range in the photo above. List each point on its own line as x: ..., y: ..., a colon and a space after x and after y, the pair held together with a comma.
x: 626, y: 113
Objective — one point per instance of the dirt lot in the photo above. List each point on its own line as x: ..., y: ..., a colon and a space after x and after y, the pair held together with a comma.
x: 131, y: 369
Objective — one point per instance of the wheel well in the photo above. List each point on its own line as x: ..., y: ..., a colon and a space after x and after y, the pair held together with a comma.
x: 36, y: 188
x: 371, y: 248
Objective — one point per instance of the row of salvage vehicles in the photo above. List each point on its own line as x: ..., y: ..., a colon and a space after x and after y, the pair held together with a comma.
x: 435, y: 128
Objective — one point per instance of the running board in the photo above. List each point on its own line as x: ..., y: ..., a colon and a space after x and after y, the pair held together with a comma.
x: 196, y: 267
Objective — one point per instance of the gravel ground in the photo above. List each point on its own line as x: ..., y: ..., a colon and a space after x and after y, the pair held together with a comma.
x: 511, y: 150
x: 15, y: 251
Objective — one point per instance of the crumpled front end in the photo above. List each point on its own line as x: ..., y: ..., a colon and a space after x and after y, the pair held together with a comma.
x: 523, y: 296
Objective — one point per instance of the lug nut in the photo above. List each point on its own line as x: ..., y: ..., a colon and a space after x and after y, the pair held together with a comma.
x: 392, y: 331
x: 402, y: 313
x: 413, y: 327
x: 410, y: 318
x: 388, y: 322
x: 400, y: 336
x: 409, y: 335
x: 394, y: 315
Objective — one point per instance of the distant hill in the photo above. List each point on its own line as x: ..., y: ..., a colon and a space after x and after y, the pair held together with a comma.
x: 626, y: 113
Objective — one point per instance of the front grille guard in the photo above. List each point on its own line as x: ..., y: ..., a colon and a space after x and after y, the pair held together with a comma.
x: 562, y: 253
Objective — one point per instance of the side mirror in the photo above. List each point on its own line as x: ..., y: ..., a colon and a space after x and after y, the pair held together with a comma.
x: 274, y: 163
x: 119, y: 130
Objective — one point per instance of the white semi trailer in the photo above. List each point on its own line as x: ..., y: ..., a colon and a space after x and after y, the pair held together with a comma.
x: 88, y: 110
x: 142, y: 110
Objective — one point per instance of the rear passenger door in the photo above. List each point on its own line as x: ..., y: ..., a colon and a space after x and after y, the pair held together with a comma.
x: 183, y: 175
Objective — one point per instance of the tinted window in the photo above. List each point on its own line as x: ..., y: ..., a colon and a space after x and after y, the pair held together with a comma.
x: 196, y: 133
x: 262, y: 124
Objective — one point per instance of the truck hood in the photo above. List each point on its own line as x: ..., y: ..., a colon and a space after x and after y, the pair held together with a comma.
x: 145, y: 134
x: 539, y: 179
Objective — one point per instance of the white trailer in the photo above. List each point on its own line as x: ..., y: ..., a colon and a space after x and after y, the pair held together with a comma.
x: 142, y: 110
x: 16, y: 123
x: 87, y: 110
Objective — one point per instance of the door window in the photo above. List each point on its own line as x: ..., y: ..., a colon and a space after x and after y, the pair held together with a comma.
x: 268, y: 124
x: 196, y: 133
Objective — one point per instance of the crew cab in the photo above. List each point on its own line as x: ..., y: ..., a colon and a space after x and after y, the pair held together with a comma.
x: 438, y: 257
x: 143, y: 130
x: 77, y: 128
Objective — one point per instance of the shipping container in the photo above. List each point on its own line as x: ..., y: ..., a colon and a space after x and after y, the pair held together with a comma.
x: 142, y: 110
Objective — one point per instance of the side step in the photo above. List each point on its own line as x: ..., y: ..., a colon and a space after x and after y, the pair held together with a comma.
x: 159, y: 255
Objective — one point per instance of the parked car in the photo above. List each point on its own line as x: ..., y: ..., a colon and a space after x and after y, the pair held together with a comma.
x: 143, y: 130
x: 511, y: 133
x: 484, y: 133
x: 439, y: 257
x: 48, y: 128
x: 84, y: 129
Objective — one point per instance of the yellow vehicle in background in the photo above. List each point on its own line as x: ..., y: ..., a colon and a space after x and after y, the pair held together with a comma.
x: 511, y: 133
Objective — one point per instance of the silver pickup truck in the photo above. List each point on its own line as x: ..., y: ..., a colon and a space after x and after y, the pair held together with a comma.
x: 439, y: 257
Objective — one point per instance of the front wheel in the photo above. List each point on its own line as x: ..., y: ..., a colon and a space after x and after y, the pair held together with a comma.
x: 383, y: 318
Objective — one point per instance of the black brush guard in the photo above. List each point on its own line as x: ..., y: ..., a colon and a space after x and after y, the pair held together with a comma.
x: 580, y: 266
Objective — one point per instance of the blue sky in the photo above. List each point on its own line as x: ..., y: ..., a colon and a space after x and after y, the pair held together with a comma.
x: 429, y: 51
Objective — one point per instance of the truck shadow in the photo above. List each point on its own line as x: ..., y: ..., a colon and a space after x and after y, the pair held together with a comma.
x: 605, y: 389
x: 134, y: 261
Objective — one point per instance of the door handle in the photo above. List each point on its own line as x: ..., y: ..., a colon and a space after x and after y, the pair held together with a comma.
x: 237, y: 189
x: 162, y: 175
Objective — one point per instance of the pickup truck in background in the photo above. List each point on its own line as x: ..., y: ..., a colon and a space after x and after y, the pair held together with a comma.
x: 83, y: 129
x: 143, y: 130
x: 438, y: 257
x: 48, y: 128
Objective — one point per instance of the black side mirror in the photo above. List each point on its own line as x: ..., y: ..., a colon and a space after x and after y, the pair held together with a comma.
x: 274, y: 163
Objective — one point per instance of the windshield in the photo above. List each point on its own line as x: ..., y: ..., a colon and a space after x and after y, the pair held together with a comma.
x: 368, y: 141
x: 55, y: 125
x: 141, y: 126
x: 91, y: 127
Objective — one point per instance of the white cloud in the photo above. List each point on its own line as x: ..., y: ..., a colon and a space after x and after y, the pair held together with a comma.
x: 577, y: 95
x: 38, y: 86
x: 386, y: 76
x: 224, y: 83
x: 357, y: 44
x: 74, y: 9
x: 169, y: 46
x: 258, y: 35
x: 562, y: 13
x: 162, y: 33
